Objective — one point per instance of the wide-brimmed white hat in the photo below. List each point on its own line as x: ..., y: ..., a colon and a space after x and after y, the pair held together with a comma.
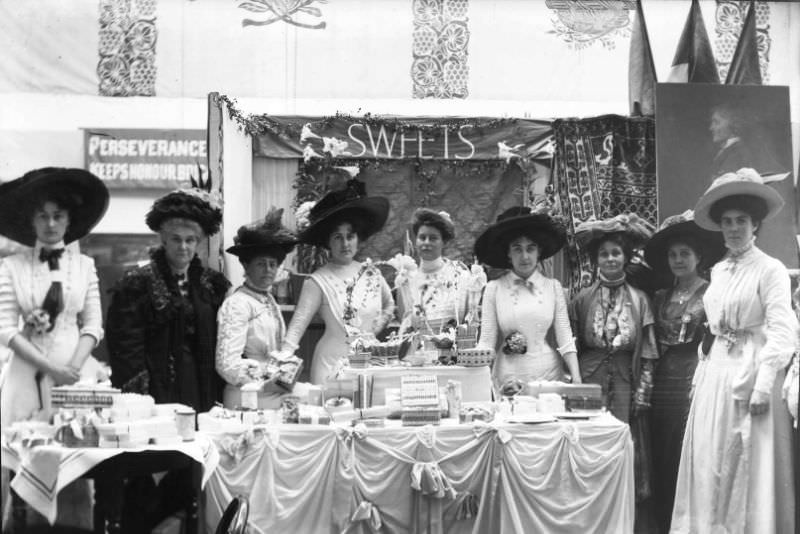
x: 745, y: 181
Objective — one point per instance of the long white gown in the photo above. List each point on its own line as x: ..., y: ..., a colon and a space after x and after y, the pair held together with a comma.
x: 24, y: 281
x: 362, y: 303
x: 528, y: 306
x: 735, y: 473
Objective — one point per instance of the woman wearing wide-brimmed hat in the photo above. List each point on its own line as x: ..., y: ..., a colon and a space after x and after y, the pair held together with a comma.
x: 162, y: 319
x: 613, y: 321
x: 435, y: 294
x: 352, y: 296
x: 681, y: 252
x: 52, y: 287
x: 735, y: 473
x: 250, y: 322
x: 521, y: 306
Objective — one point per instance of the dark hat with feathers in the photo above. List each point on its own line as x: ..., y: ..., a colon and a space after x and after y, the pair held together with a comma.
x: 198, y: 204
x: 263, y: 236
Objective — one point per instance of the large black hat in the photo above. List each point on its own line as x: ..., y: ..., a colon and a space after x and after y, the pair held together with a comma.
x: 263, y: 236
x: 351, y: 202
x: 18, y: 198
x: 548, y: 232
x: 196, y: 204
x: 710, y: 244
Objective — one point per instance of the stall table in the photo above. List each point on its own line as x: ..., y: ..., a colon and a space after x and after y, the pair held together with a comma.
x: 564, y: 476
x: 40, y: 473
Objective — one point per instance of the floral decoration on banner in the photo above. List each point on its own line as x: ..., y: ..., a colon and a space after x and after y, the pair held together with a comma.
x: 283, y: 10
x: 581, y: 23
x: 730, y: 16
x: 127, y: 48
x: 441, y: 37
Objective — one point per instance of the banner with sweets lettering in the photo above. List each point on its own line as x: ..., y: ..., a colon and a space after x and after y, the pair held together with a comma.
x: 145, y: 158
x: 371, y: 137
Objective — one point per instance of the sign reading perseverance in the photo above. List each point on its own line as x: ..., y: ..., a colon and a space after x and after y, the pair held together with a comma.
x: 163, y: 159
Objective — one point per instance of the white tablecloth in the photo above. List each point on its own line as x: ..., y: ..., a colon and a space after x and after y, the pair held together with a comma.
x: 476, y: 382
x: 551, y: 477
x: 43, y: 471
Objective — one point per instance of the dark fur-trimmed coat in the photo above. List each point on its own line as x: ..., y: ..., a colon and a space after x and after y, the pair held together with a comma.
x: 145, y: 330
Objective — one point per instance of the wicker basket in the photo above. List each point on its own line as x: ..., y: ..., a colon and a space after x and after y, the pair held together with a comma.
x: 475, y: 357
x: 67, y: 438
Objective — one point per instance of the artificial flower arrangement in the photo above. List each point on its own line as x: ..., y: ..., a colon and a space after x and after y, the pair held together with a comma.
x: 38, y: 322
x: 515, y: 344
x: 405, y: 266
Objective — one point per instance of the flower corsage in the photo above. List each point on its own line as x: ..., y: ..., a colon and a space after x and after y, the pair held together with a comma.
x: 38, y: 322
x: 515, y: 343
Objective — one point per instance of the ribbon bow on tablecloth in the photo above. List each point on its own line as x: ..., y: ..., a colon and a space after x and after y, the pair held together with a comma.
x: 479, y: 428
x: 428, y: 479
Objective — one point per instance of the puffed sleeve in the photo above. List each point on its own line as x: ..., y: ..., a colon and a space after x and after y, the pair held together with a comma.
x: 91, y: 315
x: 781, y: 325
x: 126, y: 325
x: 489, y: 317
x: 561, y: 326
x: 9, y: 308
x: 233, y: 321
x: 308, y: 304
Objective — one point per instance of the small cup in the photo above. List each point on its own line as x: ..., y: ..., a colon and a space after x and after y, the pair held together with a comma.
x: 185, y: 421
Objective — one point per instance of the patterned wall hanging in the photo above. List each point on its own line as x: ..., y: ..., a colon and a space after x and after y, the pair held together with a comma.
x: 730, y: 17
x: 604, y: 166
x: 127, y: 48
x: 284, y: 10
x: 441, y: 39
x: 581, y: 23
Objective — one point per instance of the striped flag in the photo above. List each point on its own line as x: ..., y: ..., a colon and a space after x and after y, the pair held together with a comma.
x: 694, y: 59
x: 641, y: 70
x: 745, y: 68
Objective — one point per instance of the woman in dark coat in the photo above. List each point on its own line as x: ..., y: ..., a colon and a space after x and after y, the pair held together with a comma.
x: 162, y: 320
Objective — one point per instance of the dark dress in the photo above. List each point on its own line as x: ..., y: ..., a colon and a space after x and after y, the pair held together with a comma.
x: 679, y: 329
x: 161, y: 341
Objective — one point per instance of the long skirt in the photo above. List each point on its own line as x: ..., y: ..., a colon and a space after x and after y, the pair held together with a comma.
x: 735, y: 473
x: 670, y: 401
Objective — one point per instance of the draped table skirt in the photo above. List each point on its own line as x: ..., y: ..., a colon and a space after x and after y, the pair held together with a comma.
x: 567, y: 476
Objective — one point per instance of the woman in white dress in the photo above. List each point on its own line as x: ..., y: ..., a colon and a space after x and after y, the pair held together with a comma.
x: 52, y: 287
x: 521, y: 306
x: 735, y: 471
x: 436, y: 294
x: 352, y: 296
x: 250, y: 324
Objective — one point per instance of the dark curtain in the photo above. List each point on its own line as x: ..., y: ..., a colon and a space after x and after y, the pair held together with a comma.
x: 473, y: 193
x: 603, y: 166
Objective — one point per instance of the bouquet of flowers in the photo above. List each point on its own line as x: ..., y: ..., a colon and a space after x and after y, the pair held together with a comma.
x: 38, y: 322
x: 515, y: 343
x: 405, y: 267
